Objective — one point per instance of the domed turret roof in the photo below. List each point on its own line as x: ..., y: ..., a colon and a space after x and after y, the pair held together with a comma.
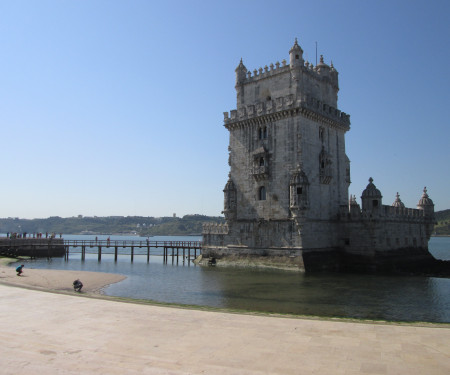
x: 241, y: 67
x: 321, y: 63
x: 425, y: 200
x: 295, y: 47
x: 398, y: 202
x: 371, y: 191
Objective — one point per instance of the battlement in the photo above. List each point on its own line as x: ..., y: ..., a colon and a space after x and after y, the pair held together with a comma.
x: 387, y: 212
x: 268, y: 71
x: 287, y: 103
x: 318, y: 72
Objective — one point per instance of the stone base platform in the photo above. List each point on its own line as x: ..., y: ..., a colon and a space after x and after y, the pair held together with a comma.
x: 413, y: 261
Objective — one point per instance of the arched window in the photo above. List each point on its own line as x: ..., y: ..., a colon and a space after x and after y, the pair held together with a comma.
x: 265, y: 132
x: 262, y: 193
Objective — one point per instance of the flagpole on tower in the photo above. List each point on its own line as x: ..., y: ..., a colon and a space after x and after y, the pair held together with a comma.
x: 316, y: 53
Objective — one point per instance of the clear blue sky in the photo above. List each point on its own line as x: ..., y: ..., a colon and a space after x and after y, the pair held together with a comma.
x: 116, y: 107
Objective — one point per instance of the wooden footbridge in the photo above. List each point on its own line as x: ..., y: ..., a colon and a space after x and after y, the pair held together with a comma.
x: 48, y: 248
x: 188, y: 250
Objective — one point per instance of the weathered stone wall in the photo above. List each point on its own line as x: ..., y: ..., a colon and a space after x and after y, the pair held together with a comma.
x: 386, y: 230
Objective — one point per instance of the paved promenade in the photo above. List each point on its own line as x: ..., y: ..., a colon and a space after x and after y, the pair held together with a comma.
x: 49, y: 333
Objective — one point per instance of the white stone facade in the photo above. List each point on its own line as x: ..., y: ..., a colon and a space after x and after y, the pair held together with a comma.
x: 287, y: 191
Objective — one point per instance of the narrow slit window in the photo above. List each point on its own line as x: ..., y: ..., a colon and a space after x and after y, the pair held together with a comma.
x: 262, y: 193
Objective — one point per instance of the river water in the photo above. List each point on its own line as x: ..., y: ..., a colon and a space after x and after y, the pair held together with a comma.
x: 394, y: 298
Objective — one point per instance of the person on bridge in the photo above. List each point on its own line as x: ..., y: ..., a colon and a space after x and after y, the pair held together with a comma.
x: 19, y: 270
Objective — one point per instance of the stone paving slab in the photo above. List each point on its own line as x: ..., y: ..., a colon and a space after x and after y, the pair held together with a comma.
x: 49, y: 333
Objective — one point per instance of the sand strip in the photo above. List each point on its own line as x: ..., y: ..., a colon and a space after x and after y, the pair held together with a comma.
x: 57, y: 280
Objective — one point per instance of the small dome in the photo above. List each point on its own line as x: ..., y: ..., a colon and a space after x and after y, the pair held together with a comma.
x: 425, y: 200
x: 321, y: 63
x: 398, y: 202
x: 299, y: 177
x: 295, y: 47
x: 371, y: 191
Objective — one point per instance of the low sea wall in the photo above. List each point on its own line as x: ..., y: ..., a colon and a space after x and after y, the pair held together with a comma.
x: 32, y: 247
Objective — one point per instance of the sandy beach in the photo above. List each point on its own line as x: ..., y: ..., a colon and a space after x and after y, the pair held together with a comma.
x: 56, y: 280
x: 64, y: 333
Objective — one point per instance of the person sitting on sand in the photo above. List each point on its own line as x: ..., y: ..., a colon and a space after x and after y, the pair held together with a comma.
x: 77, y: 285
x: 19, y: 270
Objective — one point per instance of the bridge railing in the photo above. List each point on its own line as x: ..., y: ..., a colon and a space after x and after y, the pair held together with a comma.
x: 132, y: 243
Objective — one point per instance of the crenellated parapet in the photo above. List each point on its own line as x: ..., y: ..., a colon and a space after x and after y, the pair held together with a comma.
x: 284, y: 106
x: 319, y: 72
x: 267, y: 72
x: 385, y: 212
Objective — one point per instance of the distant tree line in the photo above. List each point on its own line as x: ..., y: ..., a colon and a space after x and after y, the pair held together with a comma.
x: 140, y: 225
x: 442, y: 227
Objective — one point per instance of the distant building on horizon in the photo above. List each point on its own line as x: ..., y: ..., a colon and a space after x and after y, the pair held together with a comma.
x: 286, y: 200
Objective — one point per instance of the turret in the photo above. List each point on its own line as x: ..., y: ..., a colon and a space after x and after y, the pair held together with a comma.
x: 426, y: 204
x: 241, y: 72
x: 371, y: 198
x: 296, y: 61
x: 334, y: 77
x: 296, y: 56
x: 322, y: 68
x: 229, y: 209
x: 398, y: 202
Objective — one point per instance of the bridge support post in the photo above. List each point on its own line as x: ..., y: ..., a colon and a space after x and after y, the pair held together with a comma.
x: 116, y: 250
x: 148, y: 253
x: 99, y: 253
x: 132, y: 253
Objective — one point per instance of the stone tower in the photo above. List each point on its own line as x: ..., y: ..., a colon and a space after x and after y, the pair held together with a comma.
x: 288, y: 167
x: 287, y: 191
